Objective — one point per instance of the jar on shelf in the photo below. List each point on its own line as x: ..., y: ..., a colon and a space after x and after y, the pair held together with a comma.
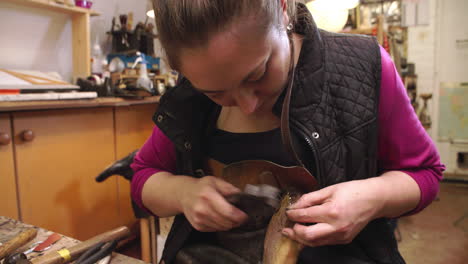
x: 84, y: 3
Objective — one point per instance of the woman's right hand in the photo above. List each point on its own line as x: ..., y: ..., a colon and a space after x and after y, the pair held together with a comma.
x: 205, y: 206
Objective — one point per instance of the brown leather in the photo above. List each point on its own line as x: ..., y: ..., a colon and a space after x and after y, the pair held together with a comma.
x: 279, y: 249
x: 292, y: 180
x: 285, y: 131
x: 263, y: 172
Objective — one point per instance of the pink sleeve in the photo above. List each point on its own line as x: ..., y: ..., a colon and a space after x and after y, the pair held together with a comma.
x: 404, y: 144
x: 157, y: 154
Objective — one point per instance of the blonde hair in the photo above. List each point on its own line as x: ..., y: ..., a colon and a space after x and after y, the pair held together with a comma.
x: 190, y: 23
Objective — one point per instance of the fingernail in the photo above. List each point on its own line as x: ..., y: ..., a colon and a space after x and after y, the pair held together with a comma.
x: 285, y: 233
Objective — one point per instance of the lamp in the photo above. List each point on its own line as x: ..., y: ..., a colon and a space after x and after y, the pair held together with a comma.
x: 150, y: 13
x: 331, y: 15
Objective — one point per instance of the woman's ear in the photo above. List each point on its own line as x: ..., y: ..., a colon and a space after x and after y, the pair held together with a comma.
x: 284, y: 7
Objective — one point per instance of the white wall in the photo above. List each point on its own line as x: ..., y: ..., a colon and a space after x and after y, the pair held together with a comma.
x: 35, y: 39
x: 422, y: 52
x: 439, y: 59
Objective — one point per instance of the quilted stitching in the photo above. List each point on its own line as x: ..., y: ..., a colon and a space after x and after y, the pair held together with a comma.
x: 348, y: 91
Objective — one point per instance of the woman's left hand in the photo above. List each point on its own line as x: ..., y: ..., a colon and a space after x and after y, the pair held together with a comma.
x: 339, y: 212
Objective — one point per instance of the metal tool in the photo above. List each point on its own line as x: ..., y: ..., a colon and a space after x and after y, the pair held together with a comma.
x: 39, y: 246
x: 267, y: 193
x: 44, y: 245
x: 96, y: 253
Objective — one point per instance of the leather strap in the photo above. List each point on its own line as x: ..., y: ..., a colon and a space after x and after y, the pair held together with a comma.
x: 285, y: 130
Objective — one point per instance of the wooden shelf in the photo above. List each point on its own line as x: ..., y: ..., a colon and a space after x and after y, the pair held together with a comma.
x: 81, y: 45
x: 80, y: 103
x: 49, y: 5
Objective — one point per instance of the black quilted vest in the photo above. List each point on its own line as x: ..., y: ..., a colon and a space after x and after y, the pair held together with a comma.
x: 333, y: 118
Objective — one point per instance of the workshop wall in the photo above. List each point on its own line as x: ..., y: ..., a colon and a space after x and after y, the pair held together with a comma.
x: 36, y: 39
x: 438, y: 58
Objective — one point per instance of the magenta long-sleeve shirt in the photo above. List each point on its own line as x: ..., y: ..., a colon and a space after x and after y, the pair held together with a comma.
x: 403, y: 143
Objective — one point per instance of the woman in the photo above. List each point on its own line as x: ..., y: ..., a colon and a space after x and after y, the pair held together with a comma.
x: 350, y: 120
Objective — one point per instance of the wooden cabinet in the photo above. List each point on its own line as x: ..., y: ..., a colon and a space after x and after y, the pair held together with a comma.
x: 8, y: 198
x: 48, y: 170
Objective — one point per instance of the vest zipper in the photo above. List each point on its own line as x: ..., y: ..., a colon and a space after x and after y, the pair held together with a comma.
x: 311, y: 145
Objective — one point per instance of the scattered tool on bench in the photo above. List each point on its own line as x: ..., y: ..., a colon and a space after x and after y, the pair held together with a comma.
x: 39, y: 246
x: 72, y: 253
x: 16, y: 242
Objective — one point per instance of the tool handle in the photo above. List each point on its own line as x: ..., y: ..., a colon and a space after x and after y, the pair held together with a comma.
x: 72, y: 253
x: 18, y: 241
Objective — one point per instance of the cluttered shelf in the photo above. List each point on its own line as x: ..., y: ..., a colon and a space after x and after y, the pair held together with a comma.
x: 64, y: 104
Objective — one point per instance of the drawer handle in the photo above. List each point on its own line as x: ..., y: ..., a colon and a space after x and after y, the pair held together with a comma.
x: 27, y: 135
x: 5, y: 139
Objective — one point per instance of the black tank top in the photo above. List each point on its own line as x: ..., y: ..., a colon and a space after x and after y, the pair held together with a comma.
x: 227, y: 147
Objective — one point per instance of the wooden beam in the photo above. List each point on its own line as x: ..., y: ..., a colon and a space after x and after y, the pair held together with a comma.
x: 52, y: 6
x: 81, y: 46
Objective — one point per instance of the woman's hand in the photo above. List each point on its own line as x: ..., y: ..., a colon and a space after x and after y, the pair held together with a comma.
x: 339, y: 212
x: 206, y: 208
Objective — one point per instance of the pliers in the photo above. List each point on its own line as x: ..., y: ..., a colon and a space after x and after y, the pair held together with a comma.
x: 97, y: 252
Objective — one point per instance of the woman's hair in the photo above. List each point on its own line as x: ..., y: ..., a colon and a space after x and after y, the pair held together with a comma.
x: 190, y: 23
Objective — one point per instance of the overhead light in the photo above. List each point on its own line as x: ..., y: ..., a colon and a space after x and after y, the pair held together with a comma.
x: 331, y: 15
x: 150, y: 13
x: 335, y: 4
x: 349, y: 4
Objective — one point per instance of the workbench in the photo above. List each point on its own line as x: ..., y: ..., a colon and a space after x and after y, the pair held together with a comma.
x: 10, y: 227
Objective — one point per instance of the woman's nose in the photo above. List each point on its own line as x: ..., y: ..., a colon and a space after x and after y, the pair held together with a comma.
x: 247, y: 100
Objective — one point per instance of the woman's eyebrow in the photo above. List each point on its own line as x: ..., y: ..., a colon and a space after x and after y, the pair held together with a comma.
x: 208, y: 91
x: 245, y: 79
x: 255, y: 69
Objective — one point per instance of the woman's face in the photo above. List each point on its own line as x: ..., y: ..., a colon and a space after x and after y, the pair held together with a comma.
x: 240, y: 67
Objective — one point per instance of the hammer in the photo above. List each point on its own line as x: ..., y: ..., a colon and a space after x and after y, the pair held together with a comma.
x: 72, y: 253
x: 16, y: 242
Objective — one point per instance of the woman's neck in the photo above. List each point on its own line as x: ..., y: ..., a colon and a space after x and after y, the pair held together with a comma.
x: 232, y: 119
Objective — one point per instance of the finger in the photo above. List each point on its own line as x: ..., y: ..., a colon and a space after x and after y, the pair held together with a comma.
x: 314, y: 233
x: 289, y: 233
x: 225, y: 188
x: 204, y: 228
x: 227, y: 211
x: 205, y: 224
x: 215, y: 225
x: 313, y: 214
x: 311, y: 199
x: 222, y: 222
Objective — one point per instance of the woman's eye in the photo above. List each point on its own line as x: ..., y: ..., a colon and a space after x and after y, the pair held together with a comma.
x: 215, y: 95
x: 257, y: 76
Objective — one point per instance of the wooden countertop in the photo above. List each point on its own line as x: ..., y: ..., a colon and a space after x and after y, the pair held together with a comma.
x: 81, y: 103
x: 9, y: 228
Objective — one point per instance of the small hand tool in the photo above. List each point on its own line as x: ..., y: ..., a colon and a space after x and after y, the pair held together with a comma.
x: 96, y: 253
x: 267, y: 193
x: 36, y: 247
x: 44, y: 245
x: 70, y: 254
x: 18, y: 241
